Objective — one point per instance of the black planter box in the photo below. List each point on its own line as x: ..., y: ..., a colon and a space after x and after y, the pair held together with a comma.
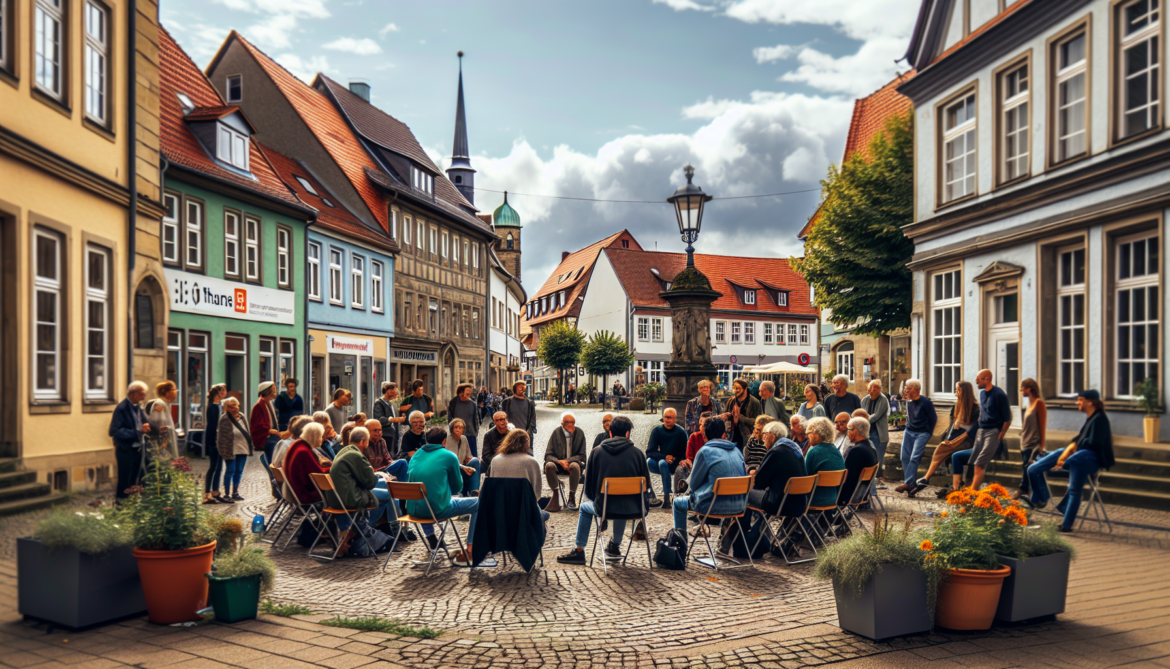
x: 1037, y: 587
x: 70, y: 589
x: 892, y: 604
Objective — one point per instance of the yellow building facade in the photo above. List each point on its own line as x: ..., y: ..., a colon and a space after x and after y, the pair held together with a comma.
x: 82, y: 307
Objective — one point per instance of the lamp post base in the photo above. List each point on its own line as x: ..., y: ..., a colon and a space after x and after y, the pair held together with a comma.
x: 690, y: 299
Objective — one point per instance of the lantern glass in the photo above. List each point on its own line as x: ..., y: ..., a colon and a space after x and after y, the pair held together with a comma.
x: 689, y: 209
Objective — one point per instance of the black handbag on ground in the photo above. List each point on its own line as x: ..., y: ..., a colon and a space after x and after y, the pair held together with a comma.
x: 671, y: 552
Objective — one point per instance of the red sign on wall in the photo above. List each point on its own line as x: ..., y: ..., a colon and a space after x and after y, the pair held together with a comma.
x: 241, y: 301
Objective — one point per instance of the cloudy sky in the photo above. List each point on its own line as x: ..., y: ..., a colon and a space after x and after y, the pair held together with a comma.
x: 606, y: 99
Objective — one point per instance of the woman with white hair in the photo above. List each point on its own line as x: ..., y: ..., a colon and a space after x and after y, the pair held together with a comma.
x: 782, y: 462
x: 234, y: 441
x: 822, y: 455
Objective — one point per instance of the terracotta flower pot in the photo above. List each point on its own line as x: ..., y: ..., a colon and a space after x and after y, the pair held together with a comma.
x: 174, y: 582
x: 967, y: 600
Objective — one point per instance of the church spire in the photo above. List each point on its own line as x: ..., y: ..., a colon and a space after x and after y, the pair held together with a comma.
x: 460, y: 172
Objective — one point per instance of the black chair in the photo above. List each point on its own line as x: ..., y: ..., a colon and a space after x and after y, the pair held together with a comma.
x: 498, y: 499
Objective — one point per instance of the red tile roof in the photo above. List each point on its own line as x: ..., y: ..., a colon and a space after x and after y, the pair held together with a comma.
x: 633, y: 269
x: 327, y: 124
x: 179, y: 74
x: 572, y: 276
x: 216, y: 113
x: 331, y: 214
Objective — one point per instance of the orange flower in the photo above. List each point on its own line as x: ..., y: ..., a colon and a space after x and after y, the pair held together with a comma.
x: 963, y: 510
x: 985, y: 501
x: 959, y: 497
x: 997, y: 490
x: 944, y: 514
x: 1016, y: 515
x: 926, y: 545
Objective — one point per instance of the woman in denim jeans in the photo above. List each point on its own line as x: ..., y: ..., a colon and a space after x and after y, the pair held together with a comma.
x: 1090, y: 452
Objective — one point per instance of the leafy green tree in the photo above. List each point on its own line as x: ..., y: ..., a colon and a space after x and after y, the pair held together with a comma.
x: 560, y: 347
x: 856, y: 255
x: 606, y: 354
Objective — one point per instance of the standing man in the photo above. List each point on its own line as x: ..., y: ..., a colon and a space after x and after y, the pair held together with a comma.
x: 418, y: 401
x: 770, y: 404
x: 564, y: 454
x: 336, y: 410
x: 521, y: 411
x: 697, y: 406
x: 741, y: 413
x: 483, y: 399
x: 263, y: 421
x: 878, y: 408
x: 491, y: 440
x: 288, y: 404
x: 995, y: 417
x: 841, y: 401
x: 462, y: 406
x: 126, y: 428
x: 666, y: 450
x: 920, y: 421
x: 386, y: 412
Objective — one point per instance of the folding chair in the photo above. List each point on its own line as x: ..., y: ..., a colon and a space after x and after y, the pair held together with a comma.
x: 561, y: 478
x: 724, y: 487
x: 826, y: 479
x: 1096, y: 504
x: 307, y: 512
x: 282, y: 506
x: 859, y: 495
x: 797, y: 485
x: 324, y: 483
x: 413, y: 492
x: 489, y: 501
x: 629, y: 485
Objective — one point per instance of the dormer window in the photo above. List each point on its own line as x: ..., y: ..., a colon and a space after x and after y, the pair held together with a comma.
x: 782, y: 299
x: 235, y: 88
x: 186, y: 103
x: 232, y: 147
x: 749, y: 297
x: 422, y: 181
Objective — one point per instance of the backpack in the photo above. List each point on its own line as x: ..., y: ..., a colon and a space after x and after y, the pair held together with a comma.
x: 671, y: 552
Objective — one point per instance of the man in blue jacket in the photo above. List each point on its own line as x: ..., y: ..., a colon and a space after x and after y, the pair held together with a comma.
x: 718, y: 458
x: 995, y: 417
x: 127, y: 427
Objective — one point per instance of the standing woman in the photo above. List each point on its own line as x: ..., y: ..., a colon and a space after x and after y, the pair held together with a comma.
x: 1034, y: 432
x: 263, y: 420
x: 811, y: 407
x: 211, y: 494
x: 162, y: 426
x: 234, y: 441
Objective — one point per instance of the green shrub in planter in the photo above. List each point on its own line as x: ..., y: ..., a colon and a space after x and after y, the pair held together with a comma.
x: 237, y: 580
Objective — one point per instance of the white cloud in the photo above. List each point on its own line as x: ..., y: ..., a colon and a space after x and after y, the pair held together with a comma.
x: 280, y: 18
x: 681, y: 5
x: 859, y: 20
x: 857, y: 74
x: 305, y: 69
x: 388, y: 28
x: 767, y: 54
x: 362, y: 47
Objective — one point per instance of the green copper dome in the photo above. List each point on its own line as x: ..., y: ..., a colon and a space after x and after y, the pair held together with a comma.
x: 505, y: 216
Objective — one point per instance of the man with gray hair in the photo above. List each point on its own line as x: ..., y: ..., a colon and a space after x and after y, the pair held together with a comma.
x: 799, y: 435
x: 860, y: 455
x: 772, y: 405
x: 665, y: 450
x: 841, y: 400
x: 920, y: 421
x: 564, y: 454
x: 492, y: 440
x: 127, y: 426
x: 358, y: 487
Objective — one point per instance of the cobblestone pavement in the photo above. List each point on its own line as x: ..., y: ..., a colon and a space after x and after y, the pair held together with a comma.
x: 766, y: 617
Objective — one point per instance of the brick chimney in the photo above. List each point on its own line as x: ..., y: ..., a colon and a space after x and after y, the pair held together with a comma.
x: 564, y: 254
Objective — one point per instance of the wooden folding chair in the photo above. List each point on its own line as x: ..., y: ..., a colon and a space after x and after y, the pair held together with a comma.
x: 409, y: 492
x: 826, y: 479
x: 306, y: 512
x: 324, y: 484
x: 629, y: 485
x: 858, y: 496
x: 724, y: 487
x: 797, y: 485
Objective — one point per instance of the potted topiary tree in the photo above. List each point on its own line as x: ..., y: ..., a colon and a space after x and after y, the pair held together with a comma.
x: 1039, y: 561
x: 1148, y: 396
x: 172, y: 541
x: 884, y: 584
x: 239, y: 576
x: 78, y: 570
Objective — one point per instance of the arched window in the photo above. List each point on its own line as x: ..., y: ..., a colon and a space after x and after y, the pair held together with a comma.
x: 458, y: 179
x: 845, y: 359
x: 510, y: 243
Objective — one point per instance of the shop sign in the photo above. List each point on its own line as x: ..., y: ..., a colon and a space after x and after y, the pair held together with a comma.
x: 198, y: 294
x: 348, y: 345
x: 414, y: 357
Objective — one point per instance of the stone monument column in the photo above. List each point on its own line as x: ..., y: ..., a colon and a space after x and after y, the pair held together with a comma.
x: 690, y: 297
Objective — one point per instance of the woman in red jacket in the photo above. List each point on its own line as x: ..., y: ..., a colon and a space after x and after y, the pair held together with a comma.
x: 263, y: 420
x: 301, y: 461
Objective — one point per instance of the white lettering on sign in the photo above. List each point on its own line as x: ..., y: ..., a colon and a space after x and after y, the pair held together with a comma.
x: 406, y: 355
x: 198, y: 294
x: 349, y: 345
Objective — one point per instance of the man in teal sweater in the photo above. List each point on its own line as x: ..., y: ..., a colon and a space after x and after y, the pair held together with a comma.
x: 438, y: 469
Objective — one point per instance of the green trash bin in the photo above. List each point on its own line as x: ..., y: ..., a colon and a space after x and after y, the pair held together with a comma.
x: 234, y: 599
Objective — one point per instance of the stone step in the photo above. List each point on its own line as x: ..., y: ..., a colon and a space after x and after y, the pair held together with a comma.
x: 9, y: 508
x: 24, y: 491
x: 9, y: 464
x: 13, y: 478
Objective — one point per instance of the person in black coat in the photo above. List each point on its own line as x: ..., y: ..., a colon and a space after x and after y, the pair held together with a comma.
x: 1090, y: 452
x: 606, y: 420
x: 782, y: 462
x: 127, y: 426
x: 859, y: 456
x: 616, y: 457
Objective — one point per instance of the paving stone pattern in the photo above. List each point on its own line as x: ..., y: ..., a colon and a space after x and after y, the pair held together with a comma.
x: 766, y: 617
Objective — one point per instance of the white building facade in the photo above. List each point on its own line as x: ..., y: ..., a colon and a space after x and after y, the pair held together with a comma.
x: 505, y: 353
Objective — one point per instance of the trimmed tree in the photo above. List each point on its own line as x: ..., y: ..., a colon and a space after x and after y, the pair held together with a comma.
x: 560, y: 347
x: 856, y: 255
x: 606, y: 354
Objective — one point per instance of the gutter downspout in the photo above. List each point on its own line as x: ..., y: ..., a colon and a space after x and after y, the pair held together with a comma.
x: 132, y: 175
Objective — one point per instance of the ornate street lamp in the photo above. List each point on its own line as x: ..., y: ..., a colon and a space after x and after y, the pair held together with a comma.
x: 688, y: 204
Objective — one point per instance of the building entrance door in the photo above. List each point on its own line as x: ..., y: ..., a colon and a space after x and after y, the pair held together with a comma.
x: 235, y: 362
x: 1003, y: 348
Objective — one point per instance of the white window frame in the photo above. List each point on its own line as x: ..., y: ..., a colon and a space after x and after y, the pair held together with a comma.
x: 720, y: 332
x: 407, y: 230
x: 420, y: 237
x: 97, y: 58
x: 1151, y: 35
x: 643, y: 328
x: 377, y: 294
x: 252, y: 235
x: 446, y: 245
x: 781, y: 298
x: 804, y: 335
x: 336, y: 272
x: 173, y: 204
x: 227, y: 91
x: 655, y: 329
x: 962, y: 136
x: 434, y: 247
x: 1065, y: 75
x: 749, y: 332
x: 1015, y: 121
x: 1070, y: 290
x: 357, y: 277
x: 193, y: 231
x: 314, y: 278
x: 99, y: 297
x: 845, y: 363
x: 768, y: 337
x: 792, y: 334
x: 736, y: 327
x: 475, y: 256
x: 1122, y: 289
x: 231, y: 244
x: 946, y: 301
x: 55, y: 286
x: 49, y: 36
x: 267, y: 358
x: 455, y: 251
x: 394, y: 224
x: 749, y: 297
x: 466, y: 254
x: 231, y: 146
x: 284, y: 259
x: 287, y: 351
